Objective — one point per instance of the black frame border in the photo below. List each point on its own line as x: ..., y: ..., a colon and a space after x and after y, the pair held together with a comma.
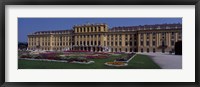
x: 98, y: 2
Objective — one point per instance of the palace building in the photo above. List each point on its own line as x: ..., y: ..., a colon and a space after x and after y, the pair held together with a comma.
x: 101, y: 38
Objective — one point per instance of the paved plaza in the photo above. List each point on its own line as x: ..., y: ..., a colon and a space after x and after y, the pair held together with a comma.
x: 166, y: 61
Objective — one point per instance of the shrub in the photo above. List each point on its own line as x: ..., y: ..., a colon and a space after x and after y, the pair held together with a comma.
x: 77, y: 60
x: 26, y: 56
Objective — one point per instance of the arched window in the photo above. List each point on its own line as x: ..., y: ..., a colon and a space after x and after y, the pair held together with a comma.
x: 147, y: 50
x: 154, y: 50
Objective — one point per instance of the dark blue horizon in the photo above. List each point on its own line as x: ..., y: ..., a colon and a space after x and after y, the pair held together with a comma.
x: 30, y: 25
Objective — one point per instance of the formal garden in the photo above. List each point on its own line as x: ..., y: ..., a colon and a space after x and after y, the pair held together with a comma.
x: 83, y: 60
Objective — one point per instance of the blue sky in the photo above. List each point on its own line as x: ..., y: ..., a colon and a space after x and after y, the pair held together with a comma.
x: 30, y: 25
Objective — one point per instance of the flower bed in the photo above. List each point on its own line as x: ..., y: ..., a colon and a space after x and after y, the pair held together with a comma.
x: 118, y: 53
x: 80, y: 61
x: 82, y: 57
x: 50, y: 56
x: 43, y: 60
x: 76, y: 60
x: 96, y: 57
x: 89, y: 62
x: 116, y: 64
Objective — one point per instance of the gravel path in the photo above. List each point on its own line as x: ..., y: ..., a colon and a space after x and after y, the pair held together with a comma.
x: 166, y: 61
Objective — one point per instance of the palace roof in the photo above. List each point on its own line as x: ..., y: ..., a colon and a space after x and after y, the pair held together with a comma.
x: 146, y: 27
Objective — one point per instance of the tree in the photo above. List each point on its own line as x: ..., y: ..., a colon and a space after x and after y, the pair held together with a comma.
x: 22, y: 45
x: 178, y: 48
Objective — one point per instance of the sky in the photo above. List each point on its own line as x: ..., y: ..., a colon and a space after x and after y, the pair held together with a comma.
x: 30, y: 25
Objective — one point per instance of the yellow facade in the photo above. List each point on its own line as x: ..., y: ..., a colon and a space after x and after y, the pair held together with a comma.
x: 99, y: 38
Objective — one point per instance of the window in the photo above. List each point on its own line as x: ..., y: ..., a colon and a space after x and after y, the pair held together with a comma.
x: 80, y: 29
x: 84, y: 29
x: 95, y: 43
x: 180, y: 33
x: 99, y: 28
x: 141, y: 49
x: 126, y: 38
x: 141, y: 43
x: 94, y: 29
x: 83, y: 42
x: 154, y: 43
x: 126, y: 43
x: 116, y: 43
x: 172, y: 43
x: 120, y: 49
x: 135, y: 43
x: 87, y: 42
x: 131, y: 50
x: 154, y: 37
x: 154, y: 50
x: 163, y: 33
x: 115, y: 49
x: 147, y: 43
x: 120, y: 43
x: 120, y: 38
x: 99, y: 42
x: 77, y: 29
x: 172, y: 33
x: 80, y: 42
x: 147, y: 37
x: 141, y: 34
x: 154, y: 33
x: 91, y: 42
x: 147, y: 50
x: 130, y: 43
x: 172, y: 37
x: 179, y: 37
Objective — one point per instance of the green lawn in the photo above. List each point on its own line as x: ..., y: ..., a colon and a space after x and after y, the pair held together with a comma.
x: 138, y: 62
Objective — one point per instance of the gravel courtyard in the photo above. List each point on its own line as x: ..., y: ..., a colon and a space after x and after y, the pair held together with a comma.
x: 166, y: 61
